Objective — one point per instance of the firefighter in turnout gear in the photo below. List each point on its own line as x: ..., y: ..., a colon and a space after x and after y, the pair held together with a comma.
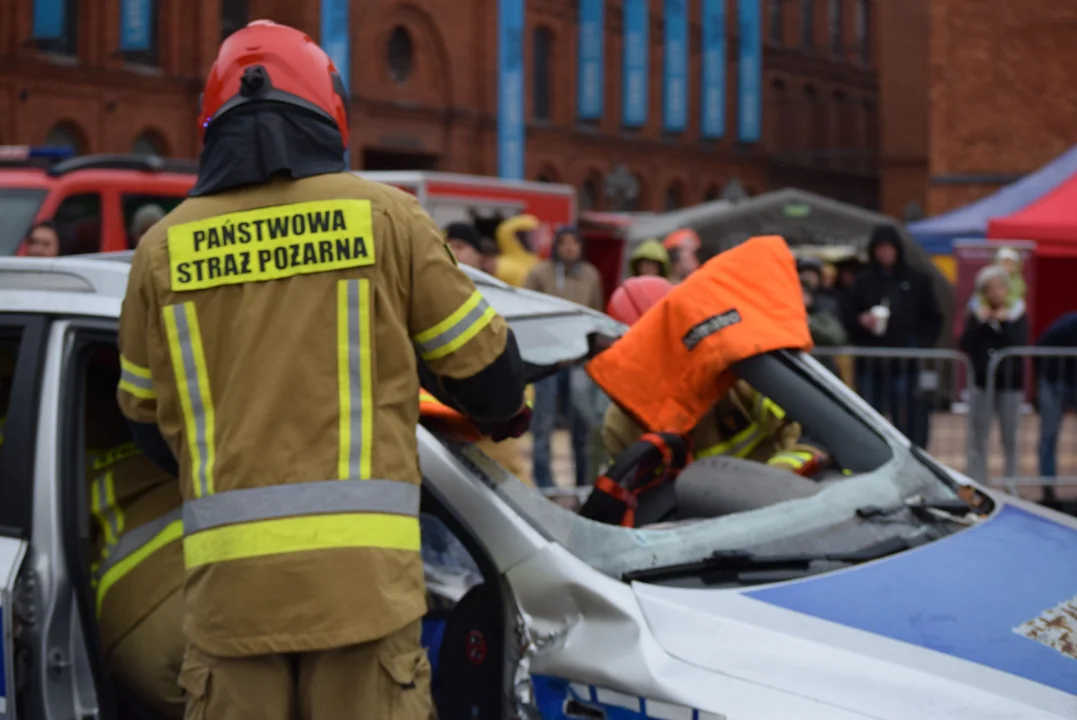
x: 136, y: 536
x: 271, y: 335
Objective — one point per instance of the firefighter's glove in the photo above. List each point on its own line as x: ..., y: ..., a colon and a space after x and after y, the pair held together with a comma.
x: 514, y: 427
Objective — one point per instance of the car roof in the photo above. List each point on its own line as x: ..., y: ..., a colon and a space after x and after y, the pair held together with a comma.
x: 104, y: 275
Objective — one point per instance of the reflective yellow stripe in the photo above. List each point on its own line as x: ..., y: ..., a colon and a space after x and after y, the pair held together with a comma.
x: 135, y: 380
x: 105, y: 509
x: 455, y: 331
x: 791, y: 458
x: 138, y: 371
x: 192, y: 380
x: 740, y: 446
x: 355, y: 379
x: 125, y: 562
x: 300, y: 534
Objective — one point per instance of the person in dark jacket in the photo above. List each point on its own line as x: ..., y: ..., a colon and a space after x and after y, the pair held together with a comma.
x: 893, y: 305
x: 996, y: 323
x: 1057, y: 390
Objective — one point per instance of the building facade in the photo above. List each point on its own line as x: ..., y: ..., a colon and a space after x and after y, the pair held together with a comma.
x: 424, y: 90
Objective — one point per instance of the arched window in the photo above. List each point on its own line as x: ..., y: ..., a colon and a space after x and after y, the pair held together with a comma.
x: 542, y: 57
x: 547, y: 175
x: 777, y: 21
x: 863, y: 30
x: 150, y: 142
x: 807, y: 23
x: 235, y: 14
x: 401, y: 54
x: 588, y: 195
x: 674, y: 196
x: 786, y: 118
x: 712, y: 193
x: 67, y: 134
x: 837, y: 29
x: 871, y: 130
x: 810, y: 135
x: 842, y: 143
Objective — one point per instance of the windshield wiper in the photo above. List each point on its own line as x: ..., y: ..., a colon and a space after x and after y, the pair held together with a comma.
x: 726, y: 566
x: 955, y: 510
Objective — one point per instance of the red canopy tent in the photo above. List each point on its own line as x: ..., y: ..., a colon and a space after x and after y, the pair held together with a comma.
x: 1051, y: 222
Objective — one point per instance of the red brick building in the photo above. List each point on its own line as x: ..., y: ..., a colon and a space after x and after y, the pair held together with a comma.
x: 423, y: 81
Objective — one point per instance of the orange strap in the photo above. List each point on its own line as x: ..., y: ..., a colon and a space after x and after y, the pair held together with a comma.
x: 622, y: 494
x: 445, y: 419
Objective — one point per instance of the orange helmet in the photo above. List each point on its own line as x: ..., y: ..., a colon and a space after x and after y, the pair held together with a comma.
x: 636, y: 296
x: 683, y: 238
x: 266, y: 61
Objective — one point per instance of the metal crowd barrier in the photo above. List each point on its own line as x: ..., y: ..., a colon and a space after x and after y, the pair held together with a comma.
x: 924, y: 393
x: 1037, y: 449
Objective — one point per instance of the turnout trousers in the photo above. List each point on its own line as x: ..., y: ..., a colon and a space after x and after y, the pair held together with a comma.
x: 385, y: 679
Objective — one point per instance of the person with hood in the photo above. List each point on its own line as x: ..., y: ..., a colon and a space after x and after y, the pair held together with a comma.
x: 466, y: 244
x: 893, y: 305
x: 565, y: 275
x: 1056, y: 392
x: 144, y: 218
x: 683, y: 248
x: 515, y: 249
x: 993, y: 326
x: 649, y: 258
x: 272, y: 337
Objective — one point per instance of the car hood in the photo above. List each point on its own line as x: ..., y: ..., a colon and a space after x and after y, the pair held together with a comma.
x: 981, y: 624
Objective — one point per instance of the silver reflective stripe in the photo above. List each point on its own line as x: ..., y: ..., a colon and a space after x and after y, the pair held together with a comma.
x: 136, y: 538
x: 355, y: 382
x: 297, y: 499
x: 106, y: 512
x: 198, y: 410
x: 142, y: 383
x: 461, y: 326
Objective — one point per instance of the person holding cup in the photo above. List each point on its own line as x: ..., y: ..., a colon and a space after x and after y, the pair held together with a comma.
x: 893, y: 305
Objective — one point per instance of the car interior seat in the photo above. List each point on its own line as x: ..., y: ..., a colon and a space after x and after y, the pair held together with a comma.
x: 470, y: 667
x: 722, y: 485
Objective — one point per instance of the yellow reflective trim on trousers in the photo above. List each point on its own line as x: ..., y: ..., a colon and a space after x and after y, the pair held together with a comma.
x: 172, y: 531
x: 105, y: 509
x: 301, y: 534
x: 355, y: 379
x: 192, y: 380
x: 791, y: 458
x: 455, y: 331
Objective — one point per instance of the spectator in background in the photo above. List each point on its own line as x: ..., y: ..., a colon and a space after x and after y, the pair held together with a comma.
x: 144, y: 218
x: 649, y: 258
x: 893, y: 306
x: 566, y: 275
x: 825, y: 327
x: 43, y: 240
x: 683, y: 248
x: 998, y: 322
x: 1057, y: 391
x: 466, y: 244
x: 811, y: 277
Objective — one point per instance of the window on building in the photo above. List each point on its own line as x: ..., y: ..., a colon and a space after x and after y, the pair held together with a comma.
x: 160, y: 205
x: 542, y: 56
x: 140, y: 36
x: 841, y: 142
x: 67, y: 135
x: 588, y: 195
x: 807, y: 23
x: 150, y: 142
x: 870, y: 118
x: 235, y: 14
x: 811, y: 125
x: 837, y: 22
x: 78, y: 223
x: 777, y: 21
x: 784, y: 118
x: 863, y: 29
x: 401, y: 54
x: 674, y: 197
x: 56, y: 27
x: 712, y: 193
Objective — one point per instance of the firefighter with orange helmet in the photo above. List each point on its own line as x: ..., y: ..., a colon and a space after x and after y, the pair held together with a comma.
x: 272, y: 333
x: 743, y: 424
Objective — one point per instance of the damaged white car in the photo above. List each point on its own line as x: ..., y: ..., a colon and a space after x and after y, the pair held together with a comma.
x: 889, y: 587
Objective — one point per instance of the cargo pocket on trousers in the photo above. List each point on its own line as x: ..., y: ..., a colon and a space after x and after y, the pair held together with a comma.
x: 407, y: 687
x: 194, y: 679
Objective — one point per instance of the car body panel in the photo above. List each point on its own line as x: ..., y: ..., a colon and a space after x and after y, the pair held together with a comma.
x: 11, y: 556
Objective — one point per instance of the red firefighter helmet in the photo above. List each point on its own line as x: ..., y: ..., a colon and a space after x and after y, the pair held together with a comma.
x: 269, y: 62
x: 636, y: 296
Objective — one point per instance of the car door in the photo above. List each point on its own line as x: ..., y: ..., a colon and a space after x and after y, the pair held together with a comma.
x: 21, y: 350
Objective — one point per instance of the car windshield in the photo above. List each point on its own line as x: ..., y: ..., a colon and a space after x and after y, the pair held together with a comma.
x: 18, y: 208
x: 880, y: 472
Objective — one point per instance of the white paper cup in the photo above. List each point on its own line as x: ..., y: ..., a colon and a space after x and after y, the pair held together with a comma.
x: 881, y: 315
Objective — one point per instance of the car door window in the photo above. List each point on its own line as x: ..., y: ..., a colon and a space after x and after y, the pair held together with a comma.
x: 138, y: 207
x: 21, y: 347
x: 78, y: 221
